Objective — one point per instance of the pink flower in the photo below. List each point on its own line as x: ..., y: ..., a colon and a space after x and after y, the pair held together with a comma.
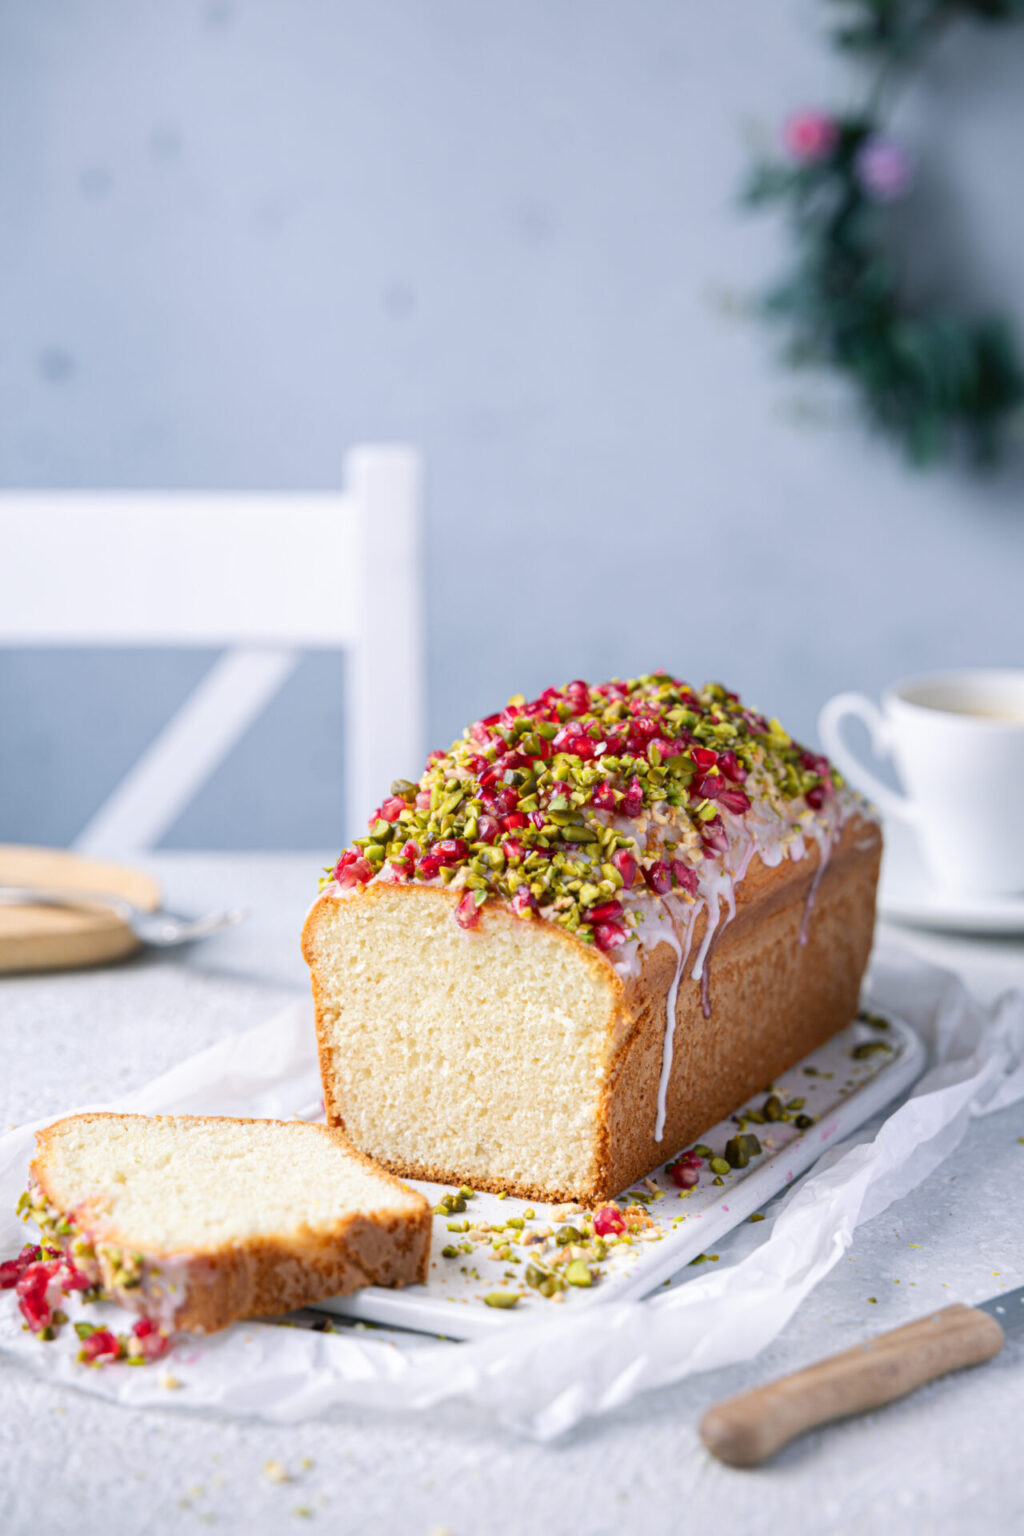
x: 884, y: 169
x: 810, y: 136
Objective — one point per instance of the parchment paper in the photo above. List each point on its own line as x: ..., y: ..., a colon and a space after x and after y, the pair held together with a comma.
x: 544, y: 1377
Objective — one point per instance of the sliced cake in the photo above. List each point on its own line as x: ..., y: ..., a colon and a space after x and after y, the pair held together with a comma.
x: 196, y: 1221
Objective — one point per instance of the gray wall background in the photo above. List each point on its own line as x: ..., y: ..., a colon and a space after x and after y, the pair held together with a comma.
x: 236, y: 236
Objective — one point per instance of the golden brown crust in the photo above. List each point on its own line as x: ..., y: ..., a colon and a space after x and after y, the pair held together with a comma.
x: 774, y: 999
x: 268, y: 1275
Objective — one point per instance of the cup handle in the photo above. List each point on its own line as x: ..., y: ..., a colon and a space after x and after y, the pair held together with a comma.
x: 834, y: 712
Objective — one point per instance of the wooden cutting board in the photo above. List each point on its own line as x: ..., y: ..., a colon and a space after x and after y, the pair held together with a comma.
x: 56, y: 938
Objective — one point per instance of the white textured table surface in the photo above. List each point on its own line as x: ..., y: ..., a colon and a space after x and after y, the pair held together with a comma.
x: 945, y: 1460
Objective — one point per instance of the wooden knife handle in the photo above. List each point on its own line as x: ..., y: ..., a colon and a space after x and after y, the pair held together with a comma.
x: 746, y: 1430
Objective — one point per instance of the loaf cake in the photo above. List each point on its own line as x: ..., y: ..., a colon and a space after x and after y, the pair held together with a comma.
x: 197, y: 1221
x: 590, y: 931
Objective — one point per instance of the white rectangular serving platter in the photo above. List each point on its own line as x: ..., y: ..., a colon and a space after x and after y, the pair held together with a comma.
x: 840, y: 1092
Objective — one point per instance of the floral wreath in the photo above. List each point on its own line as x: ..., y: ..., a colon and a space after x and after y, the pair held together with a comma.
x: 925, y: 376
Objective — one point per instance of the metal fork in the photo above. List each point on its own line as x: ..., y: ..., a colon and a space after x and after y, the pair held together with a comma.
x: 162, y: 928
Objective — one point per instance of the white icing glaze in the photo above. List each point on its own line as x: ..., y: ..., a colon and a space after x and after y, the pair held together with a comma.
x: 682, y: 955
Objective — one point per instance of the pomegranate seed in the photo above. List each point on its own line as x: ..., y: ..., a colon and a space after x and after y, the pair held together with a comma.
x: 490, y: 778
x: 685, y: 876
x: 73, y: 1279
x: 713, y: 836
x: 645, y: 727
x: 153, y: 1342
x: 423, y: 800
x: 513, y: 760
x: 578, y: 694
x: 12, y: 1271
x: 487, y: 829
x: 437, y: 756
x: 732, y: 768
x: 513, y: 822
x: 539, y: 819
x: 477, y: 765
x: 524, y: 901
x: 428, y: 866
x: 31, y: 1292
x: 704, y: 757
x: 708, y: 787
x: 633, y: 803
x: 683, y: 1175
x: 509, y: 715
x: 450, y: 850
x: 410, y: 850
x: 626, y: 865
x: 658, y: 877
x: 602, y: 914
x: 735, y: 800
x: 467, y: 913
x: 392, y: 808
x: 815, y: 763
x: 513, y: 848
x: 358, y: 872
x: 575, y: 743
x: 816, y: 797
x: 609, y: 935
x: 609, y: 1221
x: 505, y: 801
x: 101, y: 1345
x: 603, y: 797
x: 560, y: 787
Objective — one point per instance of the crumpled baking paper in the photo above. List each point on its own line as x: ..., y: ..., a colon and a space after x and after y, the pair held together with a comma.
x: 540, y: 1378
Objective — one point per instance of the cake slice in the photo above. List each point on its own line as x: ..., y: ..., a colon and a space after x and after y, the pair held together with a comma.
x: 594, y: 928
x: 197, y: 1221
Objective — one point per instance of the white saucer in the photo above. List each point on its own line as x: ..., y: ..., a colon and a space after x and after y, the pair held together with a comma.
x: 906, y: 894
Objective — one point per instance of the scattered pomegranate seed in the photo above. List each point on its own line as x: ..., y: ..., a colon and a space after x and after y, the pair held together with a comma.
x: 604, y: 913
x: 713, y: 836
x: 505, y: 801
x: 101, y: 1345
x: 513, y: 821
x: 467, y: 913
x: 450, y: 850
x: 74, y: 1279
x: 609, y: 935
x: 487, y: 829
x: 732, y: 768
x: 704, y: 757
x: 816, y: 797
x: 423, y: 800
x: 392, y: 808
x: 428, y: 866
x: 609, y: 1221
x: 734, y: 800
x: 12, y: 1270
x: 603, y: 797
x: 815, y: 763
x: 31, y: 1291
x: 708, y: 787
x: 626, y: 865
x: 658, y: 877
x: 539, y: 820
x: 153, y: 1342
x: 524, y: 901
x: 685, y: 876
x: 683, y: 1174
x: 513, y: 847
x: 357, y: 872
x: 633, y: 803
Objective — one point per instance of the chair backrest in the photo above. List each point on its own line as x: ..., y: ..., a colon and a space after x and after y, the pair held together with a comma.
x: 263, y: 576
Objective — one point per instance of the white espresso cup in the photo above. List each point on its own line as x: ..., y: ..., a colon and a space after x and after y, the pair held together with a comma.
x: 957, y: 739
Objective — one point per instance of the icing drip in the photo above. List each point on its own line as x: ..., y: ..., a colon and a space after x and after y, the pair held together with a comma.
x: 825, y: 836
x: 682, y: 955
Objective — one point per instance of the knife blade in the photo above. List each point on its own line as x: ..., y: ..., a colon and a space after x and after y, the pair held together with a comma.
x: 1007, y: 1308
x: 745, y: 1430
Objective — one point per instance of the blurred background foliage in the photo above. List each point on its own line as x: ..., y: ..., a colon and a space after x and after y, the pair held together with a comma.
x: 926, y: 376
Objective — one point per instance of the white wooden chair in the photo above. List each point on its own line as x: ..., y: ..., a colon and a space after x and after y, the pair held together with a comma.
x: 265, y: 576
